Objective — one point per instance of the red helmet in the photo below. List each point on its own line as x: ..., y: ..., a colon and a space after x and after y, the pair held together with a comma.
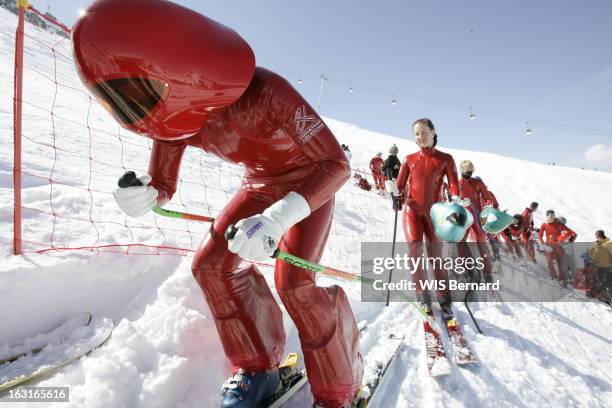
x: 158, y: 67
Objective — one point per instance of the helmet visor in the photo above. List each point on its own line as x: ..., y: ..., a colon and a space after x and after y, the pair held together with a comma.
x: 130, y: 99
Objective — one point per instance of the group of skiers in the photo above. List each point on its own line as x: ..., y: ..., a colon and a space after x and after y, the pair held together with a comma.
x: 383, y: 170
x: 207, y: 93
x: 428, y: 176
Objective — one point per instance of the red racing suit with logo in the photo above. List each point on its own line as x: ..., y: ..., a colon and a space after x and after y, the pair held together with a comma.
x: 284, y: 146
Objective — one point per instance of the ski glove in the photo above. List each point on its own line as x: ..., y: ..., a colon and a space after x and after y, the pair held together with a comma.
x: 257, y: 237
x: 391, y: 187
x: 136, y: 201
x: 397, y: 203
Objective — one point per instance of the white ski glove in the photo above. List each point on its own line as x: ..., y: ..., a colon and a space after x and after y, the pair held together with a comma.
x: 257, y: 237
x: 391, y: 187
x: 136, y: 201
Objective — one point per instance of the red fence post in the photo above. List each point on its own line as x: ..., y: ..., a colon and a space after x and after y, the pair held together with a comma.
x: 18, y: 84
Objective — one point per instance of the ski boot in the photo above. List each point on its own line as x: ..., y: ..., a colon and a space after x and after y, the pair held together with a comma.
x: 447, y: 310
x: 249, y: 390
x: 425, y: 307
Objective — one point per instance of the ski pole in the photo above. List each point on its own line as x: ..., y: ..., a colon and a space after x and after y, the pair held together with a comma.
x: 328, y: 271
x: 303, y: 263
x: 469, y: 292
x: 129, y: 179
x: 392, y: 248
x: 181, y: 215
x: 467, y: 306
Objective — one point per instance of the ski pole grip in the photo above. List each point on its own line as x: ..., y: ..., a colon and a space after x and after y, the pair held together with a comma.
x: 230, y: 232
x: 129, y: 179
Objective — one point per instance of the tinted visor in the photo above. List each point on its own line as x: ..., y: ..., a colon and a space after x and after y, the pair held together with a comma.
x: 130, y: 99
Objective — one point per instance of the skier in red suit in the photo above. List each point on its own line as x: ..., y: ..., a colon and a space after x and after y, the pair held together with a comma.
x: 556, y: 234
x: 476, y: 191
x: 493, y: 239
x: 527, y: 231
x: 181, y: 79
x: 419, y: 185
x: 512, y: 236
x: 376, y: 165
x: 494, y: 203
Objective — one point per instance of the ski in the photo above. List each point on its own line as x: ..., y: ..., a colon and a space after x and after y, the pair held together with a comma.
x: 437, y: 363
x: 63, y: 352
x: 461, y: 350
x: 369, y: 390
x: 292, y: 380
x: 37, y: 343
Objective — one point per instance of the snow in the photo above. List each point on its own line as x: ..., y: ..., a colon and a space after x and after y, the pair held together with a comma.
x: 165, y: 351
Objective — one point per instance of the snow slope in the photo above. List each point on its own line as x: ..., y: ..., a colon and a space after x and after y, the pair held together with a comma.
x: 165, y: 351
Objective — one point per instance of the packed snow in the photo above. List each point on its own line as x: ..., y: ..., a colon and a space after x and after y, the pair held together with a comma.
x: 165, y: 352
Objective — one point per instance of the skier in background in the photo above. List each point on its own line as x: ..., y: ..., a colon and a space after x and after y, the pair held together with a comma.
x: 376, y: 165
x: 493, y: 238
x: 418, y: 186
x: 512, y: 236
x: 570, y: 261
x: 207, y: 93
x: 527, y: 231
x: 599, y: 268
x: 477, y: 192
x: 391, y: 169
x: 556, y: 234
x: 392, y: 164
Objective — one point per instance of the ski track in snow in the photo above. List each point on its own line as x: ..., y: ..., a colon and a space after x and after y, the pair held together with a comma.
x: 165, y: 351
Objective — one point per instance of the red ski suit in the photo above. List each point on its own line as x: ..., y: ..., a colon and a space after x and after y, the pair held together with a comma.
x: 511, y: 237
x: 419, y: 182
x: 182, y: 79
x: 284, y: 146
x: 494, y: 202
x: 476, y: 190
x: 527, y: 232
x: 556, y: 235
x: 376, y: 165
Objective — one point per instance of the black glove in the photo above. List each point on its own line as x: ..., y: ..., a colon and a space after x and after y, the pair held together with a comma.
x: 397, y: 203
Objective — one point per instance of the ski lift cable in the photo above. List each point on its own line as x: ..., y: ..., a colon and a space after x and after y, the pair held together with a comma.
x: 475, y: 109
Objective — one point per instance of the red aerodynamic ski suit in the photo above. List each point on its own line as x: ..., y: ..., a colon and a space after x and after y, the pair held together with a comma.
x: 478, y: 193
x: 376, y: 165
x: 556, y: 235
x: 206, y: 93
x: 511, y: 237
x: 419, y: 182
x: 494, y: 202
x: 527, y: 232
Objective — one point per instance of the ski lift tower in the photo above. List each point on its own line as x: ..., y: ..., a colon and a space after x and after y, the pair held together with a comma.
x: 323, y: 80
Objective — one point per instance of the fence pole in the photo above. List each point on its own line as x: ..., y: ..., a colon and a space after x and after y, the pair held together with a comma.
x: 18, y: 87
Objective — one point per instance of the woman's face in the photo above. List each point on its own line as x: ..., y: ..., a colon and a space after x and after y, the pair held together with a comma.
x: 423, y: 135
x: 550, y: 218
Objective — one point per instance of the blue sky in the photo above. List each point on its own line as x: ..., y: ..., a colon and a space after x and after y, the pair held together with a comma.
x: 545, y: 61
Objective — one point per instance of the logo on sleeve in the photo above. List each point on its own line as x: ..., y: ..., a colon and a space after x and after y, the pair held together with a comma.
x: 306, y: 126
x: 251, y: 231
